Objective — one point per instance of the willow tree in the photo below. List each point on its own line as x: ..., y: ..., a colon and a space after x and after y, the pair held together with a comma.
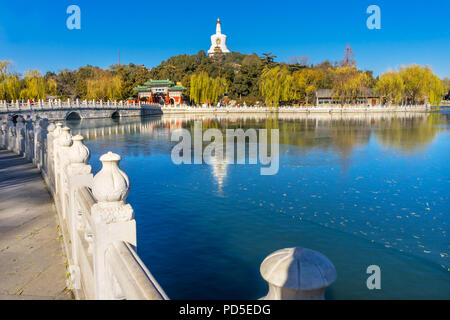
x: 305, y: 84
x: 418, y: 84
x: 204, y: 89
x: 390, y: 87
x: 10, y: 88
x: 104, y: 87
x: 414, y: 79
x: 349, y: 84
x: 10, y: 85
x: 435, y: 90
x: 4, y: 70
x: 35, y: 86
x: 275, y: 85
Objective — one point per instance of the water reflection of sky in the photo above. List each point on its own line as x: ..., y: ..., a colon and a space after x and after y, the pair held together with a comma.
x: 362, y: 189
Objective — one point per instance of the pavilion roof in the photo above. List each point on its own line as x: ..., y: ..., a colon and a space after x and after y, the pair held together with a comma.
x: 177, y: 88
x: 159, y: 82
x: 141, y: 88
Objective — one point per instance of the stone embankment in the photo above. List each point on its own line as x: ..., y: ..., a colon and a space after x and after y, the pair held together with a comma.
x: 295, y: 110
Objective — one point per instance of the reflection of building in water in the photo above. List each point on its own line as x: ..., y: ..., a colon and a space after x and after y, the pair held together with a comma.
x: 219, y: 170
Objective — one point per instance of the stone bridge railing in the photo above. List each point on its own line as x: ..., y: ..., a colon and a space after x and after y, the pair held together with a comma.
x: 99, y: 229
x: 62, y: 110
x: 68, y: 104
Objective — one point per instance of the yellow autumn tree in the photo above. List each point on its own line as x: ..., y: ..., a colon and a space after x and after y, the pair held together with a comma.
x: 305, y: 84
x: 205, y: 89
x: 275, y: 85
x: 35, y: 86
x: 349, y: 84
x: 390, y: 88
x: 9, y: 83
x: 103, y: 87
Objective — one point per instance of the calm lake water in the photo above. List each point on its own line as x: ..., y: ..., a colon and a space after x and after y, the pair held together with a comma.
x: 362, y: 189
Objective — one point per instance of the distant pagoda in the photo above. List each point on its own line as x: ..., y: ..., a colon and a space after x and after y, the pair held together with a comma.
x: 218, y: 41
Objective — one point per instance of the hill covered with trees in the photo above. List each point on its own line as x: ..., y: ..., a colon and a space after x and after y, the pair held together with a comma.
x: 248, y: 78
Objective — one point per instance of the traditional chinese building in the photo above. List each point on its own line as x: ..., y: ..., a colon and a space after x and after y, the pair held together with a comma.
x: 161, y: 91
x: 367, y: 97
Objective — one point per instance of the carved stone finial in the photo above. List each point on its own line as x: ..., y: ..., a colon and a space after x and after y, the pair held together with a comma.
x: 58, y: 129
x: 51, y: 127
x: 110, y: 184
x: 65, y: 138
x: 110, y: 188
x: 297, y: 274
x: 78, y: 152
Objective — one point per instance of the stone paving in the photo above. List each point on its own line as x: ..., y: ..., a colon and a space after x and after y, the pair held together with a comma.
x: 32, y: 258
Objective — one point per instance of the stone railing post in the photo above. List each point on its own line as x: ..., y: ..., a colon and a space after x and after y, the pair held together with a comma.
x: 62, y: 189
x: 37, y: 160
x: 79, y: 175
x: 297, y: 274
x: 20, y: 135
x: 11, y: 134
x: 54, y: 154
x: 3, y: 134
x: 113, y: 218
x: 49, y: 157
x: 29, y: 139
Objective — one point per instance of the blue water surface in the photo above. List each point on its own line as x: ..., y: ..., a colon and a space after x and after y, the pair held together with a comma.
x: 363, y: 189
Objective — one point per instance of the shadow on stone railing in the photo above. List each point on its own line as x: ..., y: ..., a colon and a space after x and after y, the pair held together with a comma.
x: 100, y: 231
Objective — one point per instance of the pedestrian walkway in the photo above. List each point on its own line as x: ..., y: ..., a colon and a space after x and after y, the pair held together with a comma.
x: 32, y: 258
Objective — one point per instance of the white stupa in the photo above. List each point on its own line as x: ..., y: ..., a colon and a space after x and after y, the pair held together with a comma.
x: 219, y: 41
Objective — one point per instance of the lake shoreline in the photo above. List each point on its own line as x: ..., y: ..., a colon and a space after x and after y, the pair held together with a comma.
x: 295, y: 110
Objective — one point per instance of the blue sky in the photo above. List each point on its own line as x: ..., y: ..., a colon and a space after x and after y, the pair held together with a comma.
x: 33, y: 34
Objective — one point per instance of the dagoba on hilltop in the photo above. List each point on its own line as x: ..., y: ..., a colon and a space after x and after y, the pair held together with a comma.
x: 218, y: 41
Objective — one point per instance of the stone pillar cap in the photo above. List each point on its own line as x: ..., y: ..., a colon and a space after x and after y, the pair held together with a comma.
x: 78, y: 137
x: 298, y: 269
x: 110, y: 157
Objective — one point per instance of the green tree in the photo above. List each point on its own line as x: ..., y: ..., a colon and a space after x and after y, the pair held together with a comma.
x: 390, y: 87
x: 36, y: 86
x: 204, y: 89
x: 276, y: 84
